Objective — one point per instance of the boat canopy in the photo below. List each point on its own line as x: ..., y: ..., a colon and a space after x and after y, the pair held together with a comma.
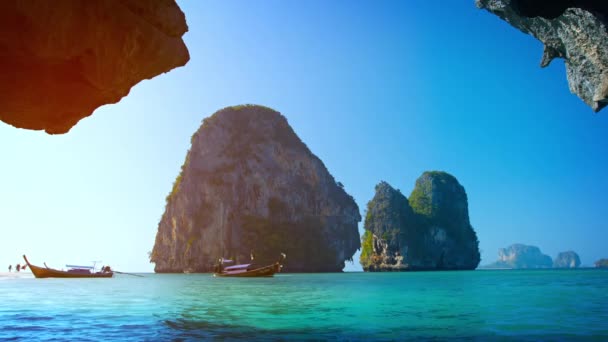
x: 81, y: 267
x: 237, y: 267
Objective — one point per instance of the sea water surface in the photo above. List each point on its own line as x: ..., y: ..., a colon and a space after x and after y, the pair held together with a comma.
x: 478, y: 305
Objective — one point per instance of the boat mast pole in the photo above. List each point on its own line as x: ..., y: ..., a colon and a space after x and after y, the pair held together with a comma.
x: 222, y: 230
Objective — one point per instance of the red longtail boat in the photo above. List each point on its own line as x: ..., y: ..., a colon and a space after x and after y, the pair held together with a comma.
x: 248, y: 270
x: 74, y: 272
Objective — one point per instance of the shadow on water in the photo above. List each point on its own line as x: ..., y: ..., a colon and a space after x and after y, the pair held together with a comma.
x: 186, y: 330
x: 197, y: 329
x: 362, y: 307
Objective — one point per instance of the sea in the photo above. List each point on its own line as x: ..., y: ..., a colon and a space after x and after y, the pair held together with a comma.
x: 484, y: 305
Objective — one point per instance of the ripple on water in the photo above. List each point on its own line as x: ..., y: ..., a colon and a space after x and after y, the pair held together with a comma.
x: 477, y: 305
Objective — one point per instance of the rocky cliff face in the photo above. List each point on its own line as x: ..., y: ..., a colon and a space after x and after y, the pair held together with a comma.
x: 389, y: 218
x: 60, y: 60
x: 567, y: 259
x: 522, y: 256
x: 250, y: 184
x: 431, y: 231
x: 574, y: 30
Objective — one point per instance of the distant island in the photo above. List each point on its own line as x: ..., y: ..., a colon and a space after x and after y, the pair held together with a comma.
x: 567, y: 259
x: 602, y: 263
x: 249, y: 185
x: 430, y: 231
x: 520, y: 256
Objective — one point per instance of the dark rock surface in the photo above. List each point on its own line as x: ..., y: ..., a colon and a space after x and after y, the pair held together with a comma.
x: 551, y: 9
x: 567, y: 259
x: 249, y: 183
x: 431, y: 231
x: 60, y: 60
x: 574, y: 30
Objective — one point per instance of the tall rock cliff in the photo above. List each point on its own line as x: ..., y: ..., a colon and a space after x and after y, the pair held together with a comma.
x: 567, y: 259
x: 431, y: 231
x: 574, y: 30
x: 250, y: 184
x: 60, y: 60
x: 521, y: 256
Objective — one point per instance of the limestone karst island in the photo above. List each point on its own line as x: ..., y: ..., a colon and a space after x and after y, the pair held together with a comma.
x: 431, y: 231
x: 249, y: 185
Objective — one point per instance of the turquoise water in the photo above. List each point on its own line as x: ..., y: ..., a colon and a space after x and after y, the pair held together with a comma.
x: 482, y: 305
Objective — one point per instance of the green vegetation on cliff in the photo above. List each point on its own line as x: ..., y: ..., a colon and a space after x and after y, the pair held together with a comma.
x: 300, y: 240
x: 441, y: 201
x: 367, y: 248
x: 178, y: 180
x: 388, y: 212
x: 438, y: 196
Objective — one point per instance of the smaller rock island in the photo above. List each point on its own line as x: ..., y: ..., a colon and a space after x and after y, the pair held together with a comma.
x: 602, y: 263
x: 430, y: 231
x: 521, y: 256
x: 567, y: 259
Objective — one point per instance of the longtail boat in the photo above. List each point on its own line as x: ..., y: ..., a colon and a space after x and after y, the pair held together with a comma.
x: 248, y: 270
x: 74, y: 272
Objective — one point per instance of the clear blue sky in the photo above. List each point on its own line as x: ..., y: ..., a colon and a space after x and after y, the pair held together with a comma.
x: 378, y: 90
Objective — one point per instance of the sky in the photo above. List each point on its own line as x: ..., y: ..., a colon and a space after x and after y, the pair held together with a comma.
x: 377, y: 90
